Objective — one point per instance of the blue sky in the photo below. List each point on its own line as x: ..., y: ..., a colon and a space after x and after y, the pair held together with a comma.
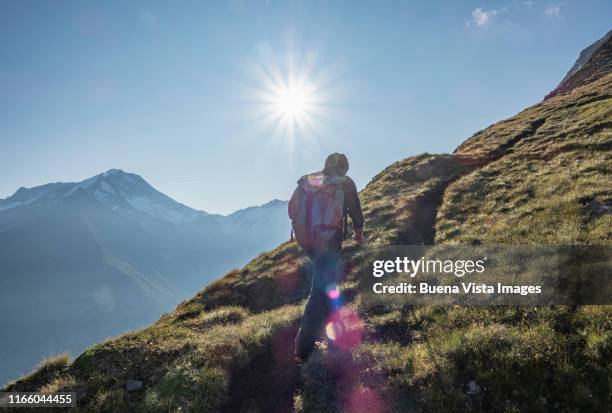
x: 173, y: 90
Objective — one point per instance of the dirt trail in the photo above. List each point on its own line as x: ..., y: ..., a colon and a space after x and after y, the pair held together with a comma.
x: 268, y: 382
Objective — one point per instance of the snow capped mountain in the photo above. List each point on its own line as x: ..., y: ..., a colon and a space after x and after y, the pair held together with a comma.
x: 121, y: 191
x: 116, y: 221
x: 129, y: 194
x: 109, y: 254
x: 270, y: 214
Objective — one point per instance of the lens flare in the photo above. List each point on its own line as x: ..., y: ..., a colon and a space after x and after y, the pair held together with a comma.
x: 364, y: 400
x: 333, y: 330
x: 345, y: 328
x: 334, y: 294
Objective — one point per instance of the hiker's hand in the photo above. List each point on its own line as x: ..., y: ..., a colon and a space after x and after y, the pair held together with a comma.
x: 358, y: 237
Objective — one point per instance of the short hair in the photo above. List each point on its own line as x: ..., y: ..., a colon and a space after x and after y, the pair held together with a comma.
x: 337, y: 162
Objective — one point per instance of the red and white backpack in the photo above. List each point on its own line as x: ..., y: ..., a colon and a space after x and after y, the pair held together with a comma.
x: 316, y: 209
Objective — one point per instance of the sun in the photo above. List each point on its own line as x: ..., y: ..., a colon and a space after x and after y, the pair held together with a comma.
x: 292, y: 102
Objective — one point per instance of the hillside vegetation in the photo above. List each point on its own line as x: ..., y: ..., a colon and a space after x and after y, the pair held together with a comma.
x: 540, y: 177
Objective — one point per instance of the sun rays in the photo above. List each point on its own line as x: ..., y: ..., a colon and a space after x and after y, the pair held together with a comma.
x: 291, y: 97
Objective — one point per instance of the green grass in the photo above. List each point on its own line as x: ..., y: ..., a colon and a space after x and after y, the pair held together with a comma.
x: 50, y: 369
x: 543, y: 190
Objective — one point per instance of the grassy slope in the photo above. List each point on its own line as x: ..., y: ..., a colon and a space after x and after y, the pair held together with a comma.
x: 539, y: 177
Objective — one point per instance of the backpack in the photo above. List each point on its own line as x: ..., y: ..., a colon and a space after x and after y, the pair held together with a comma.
x: 316, y: 210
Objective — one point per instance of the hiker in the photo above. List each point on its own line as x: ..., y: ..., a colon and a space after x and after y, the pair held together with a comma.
x: 318, y: 210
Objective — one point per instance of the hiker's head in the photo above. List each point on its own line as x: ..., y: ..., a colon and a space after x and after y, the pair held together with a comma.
x: 336, y: 164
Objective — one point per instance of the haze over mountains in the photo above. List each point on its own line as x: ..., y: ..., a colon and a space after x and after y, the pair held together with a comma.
x: 83, y: 261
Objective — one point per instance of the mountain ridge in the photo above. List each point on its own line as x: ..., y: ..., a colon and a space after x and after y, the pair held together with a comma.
x: 592, y: 63
x: 41, y: 190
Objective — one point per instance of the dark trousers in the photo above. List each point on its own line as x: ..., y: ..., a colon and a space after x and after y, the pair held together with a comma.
x: 328, y: 269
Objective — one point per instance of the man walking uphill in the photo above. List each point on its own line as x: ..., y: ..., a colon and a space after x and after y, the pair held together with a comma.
x: 317, y: 210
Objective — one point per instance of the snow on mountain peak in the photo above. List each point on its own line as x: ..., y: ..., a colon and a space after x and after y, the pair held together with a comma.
x: 130, y: 195
x: 127, y: 192
x: 83, y: 185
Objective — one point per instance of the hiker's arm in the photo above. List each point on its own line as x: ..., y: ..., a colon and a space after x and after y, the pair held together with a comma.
x: 354, y: 208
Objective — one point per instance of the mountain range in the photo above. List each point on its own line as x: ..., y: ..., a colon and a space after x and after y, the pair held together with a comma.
x: 87, y: 260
